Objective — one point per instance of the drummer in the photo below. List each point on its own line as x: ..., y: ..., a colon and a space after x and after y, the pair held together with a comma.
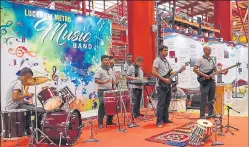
x: 18, y: 95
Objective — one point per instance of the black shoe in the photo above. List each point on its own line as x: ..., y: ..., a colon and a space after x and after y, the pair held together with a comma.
x: 141, y: 114
x: 111, y: 123
x: 101, y: 126
x: 167, y: 121
x: 202, y: 117
x: 211, y: 116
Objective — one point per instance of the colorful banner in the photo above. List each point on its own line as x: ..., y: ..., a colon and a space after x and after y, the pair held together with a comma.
x: 65, y: 47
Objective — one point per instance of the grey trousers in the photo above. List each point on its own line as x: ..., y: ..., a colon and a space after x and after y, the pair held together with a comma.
x: 207, y: 97
x: 40, y: 112
x: 136, y: 99
x: 101, y: 111
x: 163, y: 97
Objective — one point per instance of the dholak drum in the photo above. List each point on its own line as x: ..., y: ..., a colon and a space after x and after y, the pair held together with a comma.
x: 112, y: 100
x: 49, y: 98
x: 201, y: 131
x: 16, y: 123
x: 69, y: 124
x: 178, y: 105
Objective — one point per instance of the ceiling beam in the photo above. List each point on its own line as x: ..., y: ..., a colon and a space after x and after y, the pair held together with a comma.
x: 202, y: 12
x: 114, y: 6
x: 163, y: 1
x: 189, y: 5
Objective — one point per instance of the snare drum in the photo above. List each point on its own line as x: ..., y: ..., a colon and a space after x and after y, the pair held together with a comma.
x: 49, y: 98
x: 16, y: 123
x: 69, y: 124
x: 201, y: 131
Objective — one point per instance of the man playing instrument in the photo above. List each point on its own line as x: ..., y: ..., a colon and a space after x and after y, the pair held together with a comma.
x: 18, y: 96
x: 161, y: 70
x: 103, y: 77
x: 135, y: 73
x: 203, y: 66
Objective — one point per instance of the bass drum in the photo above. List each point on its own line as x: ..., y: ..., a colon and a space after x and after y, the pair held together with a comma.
x: 68, y: 124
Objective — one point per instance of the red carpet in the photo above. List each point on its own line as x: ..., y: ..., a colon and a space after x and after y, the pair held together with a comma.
x: 179, y: 134
x: 135, y: 137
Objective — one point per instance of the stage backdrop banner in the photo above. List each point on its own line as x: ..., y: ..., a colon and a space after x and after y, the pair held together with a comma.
x: 65, y: 47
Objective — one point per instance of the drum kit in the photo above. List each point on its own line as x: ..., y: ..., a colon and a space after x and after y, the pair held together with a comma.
x: 60, y: 125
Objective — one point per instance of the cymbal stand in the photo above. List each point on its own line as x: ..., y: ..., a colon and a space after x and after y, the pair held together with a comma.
x: 34, y: 134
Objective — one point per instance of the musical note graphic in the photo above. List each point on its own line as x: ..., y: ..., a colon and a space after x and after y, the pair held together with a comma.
x: 54, y: 76
x: 20, y: 51
x: 101, y: 40
x: 3, y: 27
x: 14, y: 62
x: 19, y: 23
x: 23, y: 39
x: 6, y: 40
x: 100, y: 23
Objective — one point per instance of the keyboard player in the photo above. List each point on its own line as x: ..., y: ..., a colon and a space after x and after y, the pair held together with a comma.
x: 135, y: 73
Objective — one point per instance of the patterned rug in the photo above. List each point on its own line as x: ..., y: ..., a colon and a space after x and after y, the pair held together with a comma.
x: 176, y: 137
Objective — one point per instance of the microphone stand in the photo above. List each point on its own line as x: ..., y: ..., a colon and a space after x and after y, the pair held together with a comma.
x: 236, y: 85
x: 228, y: 125
x: 118, y: 107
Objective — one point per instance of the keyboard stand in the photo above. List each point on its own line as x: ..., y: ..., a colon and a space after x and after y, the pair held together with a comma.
x: 146, y: 116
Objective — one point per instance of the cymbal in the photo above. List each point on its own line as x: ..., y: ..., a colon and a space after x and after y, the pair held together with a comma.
x: 35, y: 81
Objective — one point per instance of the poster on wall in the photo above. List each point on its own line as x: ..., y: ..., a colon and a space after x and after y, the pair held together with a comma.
x: 64, y: 47
x: 185, y: 49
